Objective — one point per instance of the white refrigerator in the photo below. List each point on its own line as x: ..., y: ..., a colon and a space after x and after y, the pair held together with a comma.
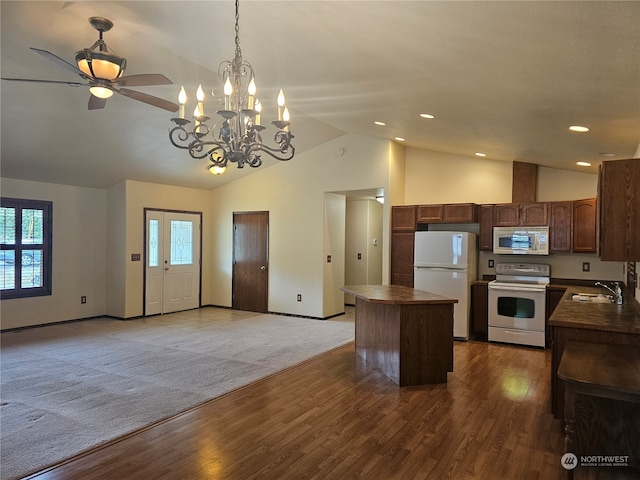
x: 445, y: 263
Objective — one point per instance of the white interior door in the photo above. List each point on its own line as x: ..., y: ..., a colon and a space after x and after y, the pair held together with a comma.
x: 172, y: 262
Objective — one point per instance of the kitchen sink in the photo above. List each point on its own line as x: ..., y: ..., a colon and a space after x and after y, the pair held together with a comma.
x: 590, y: 297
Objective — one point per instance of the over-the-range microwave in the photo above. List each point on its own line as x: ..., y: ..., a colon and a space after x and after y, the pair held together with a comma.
x: 521, y: 240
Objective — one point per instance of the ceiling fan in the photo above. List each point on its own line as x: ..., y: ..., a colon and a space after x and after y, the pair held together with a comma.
x: 103, y: 70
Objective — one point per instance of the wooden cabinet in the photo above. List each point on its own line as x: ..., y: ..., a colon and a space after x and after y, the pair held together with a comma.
x: 619, y: 215
x: 534, y: 214
x: 430, y: 213
x: 403, y: 225
x: 520, y: 215
x: 402, y: 244
x: 448, y: 213
x: 554, y: 295
x: 584, y: 226
x: 403, y: 218
x: 480, y: 310
x: 485, y: 237
x: 560, y: 226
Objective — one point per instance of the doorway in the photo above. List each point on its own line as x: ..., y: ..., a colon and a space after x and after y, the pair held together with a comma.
x: 172, y: 261
x: 250, y: 282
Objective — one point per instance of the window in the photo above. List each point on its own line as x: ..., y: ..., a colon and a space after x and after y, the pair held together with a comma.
x: 25, y: 248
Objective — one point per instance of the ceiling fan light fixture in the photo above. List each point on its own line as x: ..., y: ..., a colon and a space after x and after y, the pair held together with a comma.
x: 100, y: 92
x: 100, y: 65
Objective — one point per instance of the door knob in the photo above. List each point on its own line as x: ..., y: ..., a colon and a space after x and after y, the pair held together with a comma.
x: 263, y: 268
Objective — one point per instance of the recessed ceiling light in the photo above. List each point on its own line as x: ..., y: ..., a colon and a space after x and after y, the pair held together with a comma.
x: 426, y: 115
x: 480, y: 154
x: 578, y: 128
x: 382, y: 124
x: 583, y: 164
x: 400, y: 139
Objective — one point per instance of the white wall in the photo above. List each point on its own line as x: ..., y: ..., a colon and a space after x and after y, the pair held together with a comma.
x: 363, y: 225
x: 79, y: 255
x: 294, y: 194
x: 334, y: 245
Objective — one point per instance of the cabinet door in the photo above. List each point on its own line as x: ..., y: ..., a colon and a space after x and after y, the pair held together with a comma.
x: 506, y: 215
x: 560, y: 214
x: 584, y: 225
x: 402, y: 258
x: 460, y: 213
x: 620, y: 210
x: 485, y: 239
x: 429, y: 213
x: 480, y: 310
x: 403, y: 218
x: 533, y: 214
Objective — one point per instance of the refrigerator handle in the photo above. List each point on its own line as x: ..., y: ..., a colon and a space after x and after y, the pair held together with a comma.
x: 441, y: 269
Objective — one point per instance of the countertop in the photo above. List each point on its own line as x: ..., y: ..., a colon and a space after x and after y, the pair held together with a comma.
x: 608, y: 317
x: 395, y: 295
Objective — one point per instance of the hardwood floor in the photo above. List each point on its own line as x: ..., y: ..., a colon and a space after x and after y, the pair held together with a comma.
x: 335, y: 417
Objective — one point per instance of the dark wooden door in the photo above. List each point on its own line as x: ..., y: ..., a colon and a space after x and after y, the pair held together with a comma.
x: 250, y: 261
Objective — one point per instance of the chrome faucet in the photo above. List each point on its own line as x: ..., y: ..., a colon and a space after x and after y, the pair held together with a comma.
x: 617, y: 293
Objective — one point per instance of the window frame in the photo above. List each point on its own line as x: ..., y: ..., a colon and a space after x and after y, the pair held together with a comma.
x: 20, y: 204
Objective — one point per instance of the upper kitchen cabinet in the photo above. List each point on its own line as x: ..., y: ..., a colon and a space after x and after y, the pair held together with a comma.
x: 584, y: 226
x: 560, y: 226
x: 485, y: 238
x: 448, y: 213
x: 619, y: 211
x: 520, y: 215
x: 403, y: 218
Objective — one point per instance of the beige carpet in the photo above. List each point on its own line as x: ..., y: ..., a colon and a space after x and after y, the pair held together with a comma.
x: 67, y: 388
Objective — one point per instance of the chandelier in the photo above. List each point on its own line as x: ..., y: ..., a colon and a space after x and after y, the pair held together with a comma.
x: 236, y: 136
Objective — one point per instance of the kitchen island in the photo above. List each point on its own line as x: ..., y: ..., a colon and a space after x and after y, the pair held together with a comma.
x: 602, y: 425
x: 405, y: 333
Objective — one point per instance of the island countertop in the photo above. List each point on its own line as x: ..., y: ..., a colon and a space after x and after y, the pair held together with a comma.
x: 395, y: 295
x: 607, y: 317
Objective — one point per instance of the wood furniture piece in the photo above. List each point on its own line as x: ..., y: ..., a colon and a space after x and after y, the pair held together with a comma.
x: 403, y: 226
x: 588, y: 322
x: 619, y: 212
x: 480, y: 309
x: 407, y: 334
x: 525, y: 181
x: 448, y: 213
x: 485, y: 236
x: 584, y: 226
x: 600, y: 370
x: 520, y: 215
x: 560, y: 226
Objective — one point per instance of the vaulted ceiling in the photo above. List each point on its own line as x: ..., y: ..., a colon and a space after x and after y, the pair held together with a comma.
x: 506, y: 78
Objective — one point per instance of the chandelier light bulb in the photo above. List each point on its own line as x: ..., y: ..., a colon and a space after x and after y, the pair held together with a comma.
x: 182, y: 99
x: 285, y: 114
x: 258, y: 108
x: 252, y: 91
x: 280, y: 104
x: 228, y: 91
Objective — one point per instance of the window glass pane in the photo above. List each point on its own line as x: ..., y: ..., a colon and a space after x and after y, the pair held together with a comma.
x: 181, y: 242
x: 32, y: 226
x: 7, y: 269
x: 154, y: 258
x: 31, y: 269
x: 8, y: 225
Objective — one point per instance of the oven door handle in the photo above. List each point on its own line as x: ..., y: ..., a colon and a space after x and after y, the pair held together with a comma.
x: 520, y: 288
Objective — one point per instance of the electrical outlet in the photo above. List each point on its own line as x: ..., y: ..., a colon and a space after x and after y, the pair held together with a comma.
x: 359, y: 256
x: 586, y: 266
x: 491, y: 263
x: 328, y: 258
x: 83, y: 299
x: 299, y: 297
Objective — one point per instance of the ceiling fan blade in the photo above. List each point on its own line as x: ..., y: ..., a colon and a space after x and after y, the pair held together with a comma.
x: 96, y: 103
x: 145, y: 79
x: 58, y: 61
x: 150, y: 99
x: 73, y: 84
